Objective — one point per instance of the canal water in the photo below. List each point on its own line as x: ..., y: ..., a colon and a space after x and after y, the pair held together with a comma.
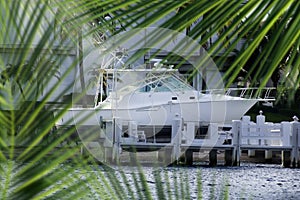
x: 248, y: 181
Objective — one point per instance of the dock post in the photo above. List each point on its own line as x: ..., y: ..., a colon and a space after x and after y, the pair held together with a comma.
x: 176, y: 137
x: 246, y: 120
x: 268, y: 153
x: 189, y: 157
x: 286, y: 141
x: 298, y: 143
x: 263, y: 130
x: 133, y: 157
x: 228, y: 157
x: 116, y: 140
x: 295, y: 143
x: 108, y: 142
x: 160, y: 155
x: 286, y: 133
x: 189, y: 134
x: 236, y: 143
x: 187, y: 138
x: 213, y: 158
x: 168, y: 160
x: 286, y: 158
x: 211, y: 141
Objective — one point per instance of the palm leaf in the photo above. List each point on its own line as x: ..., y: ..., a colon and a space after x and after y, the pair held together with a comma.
x: 24, y: 174
x: 30, y: 174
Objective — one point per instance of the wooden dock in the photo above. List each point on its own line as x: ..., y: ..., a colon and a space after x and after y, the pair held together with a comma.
x: 244, y: 135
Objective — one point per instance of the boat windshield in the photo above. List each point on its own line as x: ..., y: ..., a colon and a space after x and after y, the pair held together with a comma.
x: 165, y: 84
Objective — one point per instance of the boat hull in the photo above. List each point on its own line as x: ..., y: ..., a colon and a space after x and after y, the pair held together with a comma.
x: 205, y: 112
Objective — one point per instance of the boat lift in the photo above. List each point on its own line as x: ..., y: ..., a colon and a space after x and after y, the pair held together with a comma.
x: 244, y: 135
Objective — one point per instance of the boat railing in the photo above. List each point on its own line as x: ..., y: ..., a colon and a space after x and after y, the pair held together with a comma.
x: 267, y: 93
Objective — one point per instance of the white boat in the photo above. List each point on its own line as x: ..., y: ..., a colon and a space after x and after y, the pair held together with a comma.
x: 153, y: 98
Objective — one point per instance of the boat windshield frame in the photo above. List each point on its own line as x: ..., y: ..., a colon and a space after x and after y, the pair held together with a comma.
x: 165, y: 83
x: 152, y: 77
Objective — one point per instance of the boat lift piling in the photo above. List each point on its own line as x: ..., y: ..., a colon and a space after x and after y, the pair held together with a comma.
x: 245, y: 135
x: 269, y: 137
x: 176, y: 137
x: 295, y: 143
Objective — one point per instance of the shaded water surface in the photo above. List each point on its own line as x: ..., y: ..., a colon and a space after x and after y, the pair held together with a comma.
x: 249, y: 181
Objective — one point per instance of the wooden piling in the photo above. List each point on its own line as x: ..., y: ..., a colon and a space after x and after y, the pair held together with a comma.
x: 133, y: 158
x: 108, y: 154
x: 236, y: 142
x: 165, y: 156
x: 160, y: 155
x: 286, y: 158
x: 228, y: 157
x: 295, y: 144
x: 188, y: 157
x: 213, y: 158
x: 176, y: 136
x: 168, y: 156
x: 117, y: 134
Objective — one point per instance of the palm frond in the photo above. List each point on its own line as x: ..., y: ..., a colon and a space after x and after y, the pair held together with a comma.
x: 28, y: 36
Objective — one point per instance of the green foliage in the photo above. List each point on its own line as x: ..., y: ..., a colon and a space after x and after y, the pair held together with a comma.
x: 35, y: 35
